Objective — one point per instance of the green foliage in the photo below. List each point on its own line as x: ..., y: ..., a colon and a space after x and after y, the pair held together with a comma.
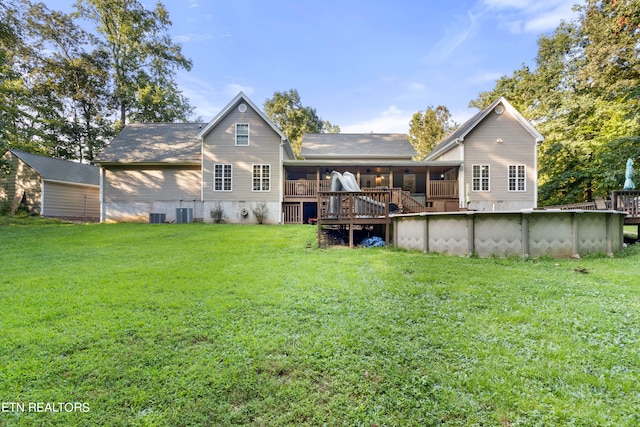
x: 428, y: 127
x: 59, y: 83
x: 286, y: 111
x: 138, y: 322
x: 582, y: 96
x: 143, y: 58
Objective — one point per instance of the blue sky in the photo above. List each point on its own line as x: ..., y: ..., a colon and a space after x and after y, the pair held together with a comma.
x: 366, y: 66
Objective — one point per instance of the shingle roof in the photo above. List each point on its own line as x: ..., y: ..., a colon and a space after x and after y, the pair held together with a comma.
x: 155, y: 143
x: 458, y: 135
x: 60, y: 170
x: 364, y: 145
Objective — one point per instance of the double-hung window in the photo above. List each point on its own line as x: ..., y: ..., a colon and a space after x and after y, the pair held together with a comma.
x: 242, y: 133
x: 261, y: 178
x: 481, y: 178
x: 517, y: 178
x: 222, y: 177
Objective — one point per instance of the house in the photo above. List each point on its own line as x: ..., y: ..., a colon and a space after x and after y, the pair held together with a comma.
x: 51, y: 187
x: 233, y: 163
x: 241, y: 160
x: 498, y: 150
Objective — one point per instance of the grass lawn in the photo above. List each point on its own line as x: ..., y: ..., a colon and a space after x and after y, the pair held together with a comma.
x: 222, y: 325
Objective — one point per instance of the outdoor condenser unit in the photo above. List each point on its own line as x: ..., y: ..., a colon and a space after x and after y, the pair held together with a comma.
x: 184, y: 215
x: 157, y: 218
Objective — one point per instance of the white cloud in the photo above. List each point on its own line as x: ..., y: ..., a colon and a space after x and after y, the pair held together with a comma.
x: 455, y: 35
x: 392, y: 120
x: 533, y: 16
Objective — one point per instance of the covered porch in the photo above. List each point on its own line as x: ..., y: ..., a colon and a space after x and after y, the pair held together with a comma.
x: 412, y: 186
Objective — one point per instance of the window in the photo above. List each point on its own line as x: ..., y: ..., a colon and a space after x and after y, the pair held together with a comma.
x: 242, y: 133
x: 480, y: 177
x: 221, y: 177
x: 517, y: 178
x: 261, y: 177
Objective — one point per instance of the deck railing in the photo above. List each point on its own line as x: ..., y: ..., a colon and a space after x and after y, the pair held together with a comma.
x: 308, y: 188
x: 627, y: 201
x: 304, y: 187
x: 443, y: 189
x: 353, y: 206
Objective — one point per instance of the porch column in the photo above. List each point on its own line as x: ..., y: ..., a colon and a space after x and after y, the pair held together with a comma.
x: 428, y: 189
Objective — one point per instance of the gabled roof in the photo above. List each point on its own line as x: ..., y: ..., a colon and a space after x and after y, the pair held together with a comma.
x: 222, y: 114
x: 458, y: 135
x: 361, y: 146
x: 155, y: 143
x: 61, y: 170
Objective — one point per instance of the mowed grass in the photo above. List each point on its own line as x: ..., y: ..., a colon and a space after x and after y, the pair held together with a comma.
x: 222, y: 325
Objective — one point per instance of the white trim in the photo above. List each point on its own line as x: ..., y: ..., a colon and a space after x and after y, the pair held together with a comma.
x: 202, y: 173
x: 103, y: 209
x: 41, y: 196
x: 517, y: 178
x: 78, y: 184
x: 262, y: 165
x: 248, y: 135
x: 226, y: 110
x: 223, y: 177
x: 481, y: 178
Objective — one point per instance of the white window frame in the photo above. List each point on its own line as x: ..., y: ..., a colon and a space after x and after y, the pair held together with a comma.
x: 263, y: 183
x: 517, y: 178
x: 219, y: 172
x: 240, y: 136
x: 481, y: 175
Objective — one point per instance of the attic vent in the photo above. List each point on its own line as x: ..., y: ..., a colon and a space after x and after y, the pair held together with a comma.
x: 499, y: 109
x: 242, y: 108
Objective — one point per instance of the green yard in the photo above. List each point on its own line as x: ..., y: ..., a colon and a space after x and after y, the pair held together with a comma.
x: 195, y: 324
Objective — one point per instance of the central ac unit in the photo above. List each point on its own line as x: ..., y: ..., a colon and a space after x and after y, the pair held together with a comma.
x: 157, y: 218
x: 184, y: 215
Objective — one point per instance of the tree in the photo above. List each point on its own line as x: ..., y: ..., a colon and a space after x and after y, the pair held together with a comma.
x: 286, y: 111
x: 582, y: 96
x: 428, y: 127
x: 143, y: 58
x: 74, y: 79
x: 15, y: 120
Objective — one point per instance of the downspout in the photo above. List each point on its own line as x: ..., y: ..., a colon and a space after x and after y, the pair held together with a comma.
x: 461, y: 181
x: 281, y: 183
x: 535, y: 174
x: 202, y: 174
x: 41, y: 196
x: 102, y: 207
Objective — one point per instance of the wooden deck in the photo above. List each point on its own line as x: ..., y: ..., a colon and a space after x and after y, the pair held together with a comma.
x: 441, y: 197
x: 348, y: 210
x: 621, y: 201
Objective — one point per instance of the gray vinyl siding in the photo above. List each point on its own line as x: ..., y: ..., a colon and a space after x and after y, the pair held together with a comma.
x: 151, y: 184
x: 264, y: 148
x: 67, y: 200
x: 23, y: 180
x: 518, y: 147
x: 452, y: 154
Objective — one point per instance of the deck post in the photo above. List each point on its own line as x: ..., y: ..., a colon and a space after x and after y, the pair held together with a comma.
x: 471, y: 234
x: 524, y: 224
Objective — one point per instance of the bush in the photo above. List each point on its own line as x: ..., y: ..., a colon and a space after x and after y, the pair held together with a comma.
x: 217, y: 213
x: 5, y: 208
x: 260, y: 211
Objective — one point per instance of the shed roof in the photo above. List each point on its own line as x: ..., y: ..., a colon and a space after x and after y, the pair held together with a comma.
x: 61, y: 170
x: 360, y: 145
x: 155, y: 143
